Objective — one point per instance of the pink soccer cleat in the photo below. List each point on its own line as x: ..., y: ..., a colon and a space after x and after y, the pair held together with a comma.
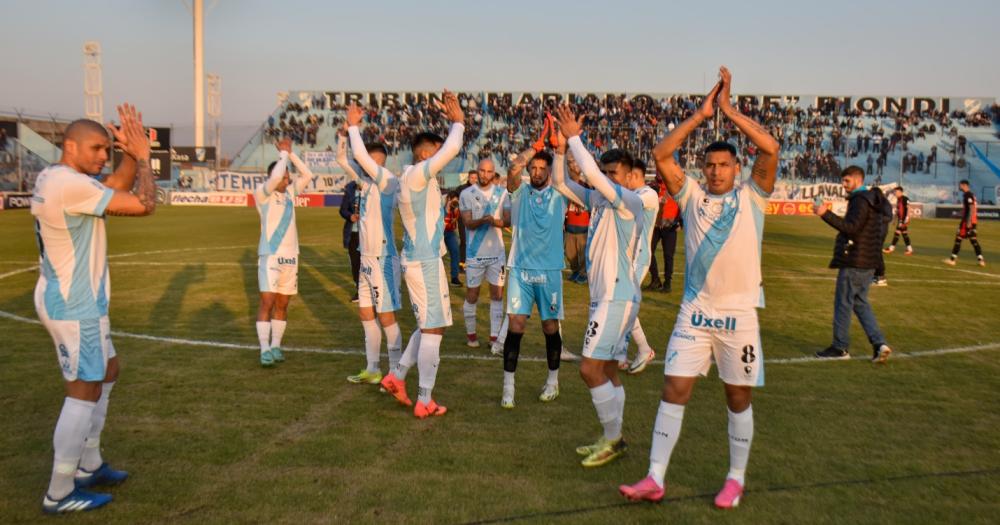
x: 423, y: 411
x: 729, y: 496
x: 645, y: 490
x: 396, y: 387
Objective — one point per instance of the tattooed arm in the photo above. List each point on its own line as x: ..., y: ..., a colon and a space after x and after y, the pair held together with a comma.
x: 142, y: 199
x: 765, y: 168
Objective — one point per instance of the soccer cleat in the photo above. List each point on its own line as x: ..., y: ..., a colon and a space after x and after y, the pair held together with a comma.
x: 566, y: 355
x: 573, y: 276
x: 430, y: 409
x: 645, y: 490
x: 586, y: 450
x: 890, y: 249
x: 76, y: 501
x: 456, y: 282
x: 266, y: 359
x: 641, y: 362
x: 729, y: 496
x: 507, y: 401
x: 104, y: 475
x: 655, y: 284
x: 623, y: 364
x: 881, y: 354
x: 396, y: 387
x: 277, y: 354
x: 909, y: 250
x: 833, y: 353
x: 496, y: 349
x: 581, y: 279
x: 471, y: 341
x: 982, y: 262
x: 606, y: 453
x: 354, y: 298
x: 950, y: 262
x: 549, y: 393
x: 365, y: 377
x: 881, y: 282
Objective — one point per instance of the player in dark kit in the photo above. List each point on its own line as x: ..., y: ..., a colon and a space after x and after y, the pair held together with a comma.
x: 902, y: 222
x: 967, y: 228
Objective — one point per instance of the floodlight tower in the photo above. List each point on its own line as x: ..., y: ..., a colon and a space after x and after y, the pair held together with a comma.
x: 93, y: 91
x: 215, y: 111
x: 198, y: 10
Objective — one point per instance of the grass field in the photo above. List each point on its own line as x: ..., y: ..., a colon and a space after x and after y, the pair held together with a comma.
x: 210, y: 437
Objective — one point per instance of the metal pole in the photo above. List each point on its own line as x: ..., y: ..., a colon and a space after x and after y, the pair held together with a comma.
x: 199, y: 74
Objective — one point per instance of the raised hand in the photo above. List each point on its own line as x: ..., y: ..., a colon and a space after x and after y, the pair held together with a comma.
x: 130, y: 135
x: 285, y: 145
x: 569, y: 125
x: 558, y: 139
x: 726, y: 79
x: 452, y: 109
x: 354, y: 114
x: 707, y: 109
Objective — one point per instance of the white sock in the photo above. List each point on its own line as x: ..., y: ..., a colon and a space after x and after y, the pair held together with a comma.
x: 469, y: 312
x: 502, y: 334
x: 496, y: 317
x: 740, y: 438
x: 67, y: 440
x: 277, y: 332
x: 394, y: 341
x: 640, y: 339
x: 373, y: 343
x: 427, y: 365
x: 508, y: 378
x: 91, y: 459
x: 666, y: 430
x: 409, y: 357
x: 619, y: 406
x: 604, y: 401
x: 264, y: 335
x: 553, y: 378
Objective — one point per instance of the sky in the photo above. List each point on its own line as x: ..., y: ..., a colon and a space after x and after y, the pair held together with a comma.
x: 848, y: 47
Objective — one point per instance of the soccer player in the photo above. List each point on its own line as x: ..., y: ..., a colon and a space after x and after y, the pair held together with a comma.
x: 723, y: 224
x: 535, y: 266
x: 378, y: 285
x: 650, y: 210
x: 421, y: 209
x: 278, y: 250
x: 616, y: 215
x: 73, y: 292
x: 485, y: 211
x: 966, y: 228
x: 902, y: 222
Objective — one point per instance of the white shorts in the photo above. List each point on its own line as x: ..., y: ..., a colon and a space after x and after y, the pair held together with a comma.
x: 428, y: 286
x: 477, y: 267
x: 729, y: 338
x: 378, y: 283
x: 610, y: 322
x: 278, y: 274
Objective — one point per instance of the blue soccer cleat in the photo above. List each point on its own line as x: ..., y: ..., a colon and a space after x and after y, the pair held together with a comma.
x: 76, y: 501
x: 104, y: 475
x: 277, y: 354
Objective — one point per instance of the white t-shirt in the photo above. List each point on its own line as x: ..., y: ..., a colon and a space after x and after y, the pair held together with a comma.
x: 486, y: 240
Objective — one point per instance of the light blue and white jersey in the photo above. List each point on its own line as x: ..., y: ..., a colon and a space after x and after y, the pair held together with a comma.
x: 486, y: 241
x: 278, y: 234
x: 537, y: 216
x: 378, y: 198
x: 612, y: 245
x: 650, y: 207
x: 68, y: 207
x: 722, y: 244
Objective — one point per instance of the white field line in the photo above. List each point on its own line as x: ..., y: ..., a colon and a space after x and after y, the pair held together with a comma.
x: 479, y: 357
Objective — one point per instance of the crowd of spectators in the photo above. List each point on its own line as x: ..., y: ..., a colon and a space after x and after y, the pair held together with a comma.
x: 816, y: 141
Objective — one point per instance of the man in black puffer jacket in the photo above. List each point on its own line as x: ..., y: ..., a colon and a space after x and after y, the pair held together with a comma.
x: 856, y: 253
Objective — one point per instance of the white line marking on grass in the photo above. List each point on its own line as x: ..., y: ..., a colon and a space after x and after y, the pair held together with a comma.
x: 15, y: 272
x: 477, y: 357
x: 157, y: 252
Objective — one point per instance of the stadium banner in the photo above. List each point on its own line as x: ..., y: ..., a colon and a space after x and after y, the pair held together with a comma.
x: 320, y: 159
x: 14, y: 200
x: 859, y: 102
x: 954, y: 211
x: 305, y: 200
x: 187, y: 198
x: 248, y: 182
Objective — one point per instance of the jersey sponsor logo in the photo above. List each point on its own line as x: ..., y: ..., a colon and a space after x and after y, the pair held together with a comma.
x: 700, y: 320
x: 540, y: 278
x: 682, y: 335
x: 286, y: 260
